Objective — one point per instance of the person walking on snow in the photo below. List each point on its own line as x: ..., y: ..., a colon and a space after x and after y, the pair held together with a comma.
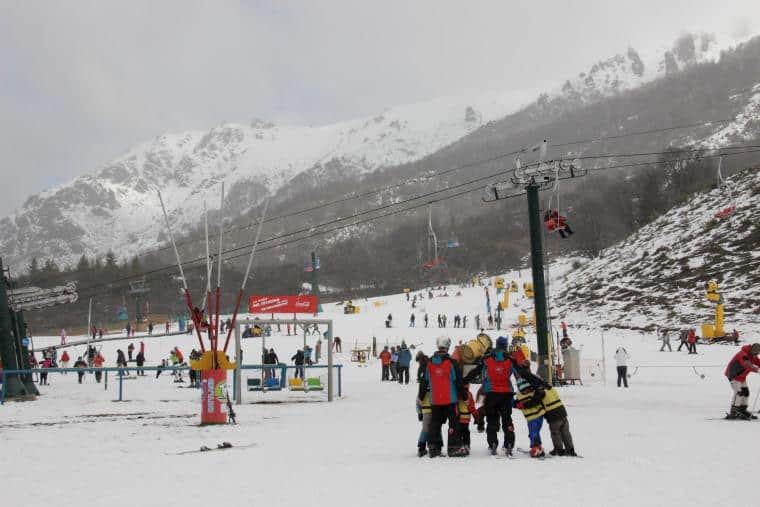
x: 411, y: 320
x: 742, y: 364
x: 691, y: 338
x: 684, y: 338
x: 394, y: 363
x: 621, y: 357
x: 665, y: 340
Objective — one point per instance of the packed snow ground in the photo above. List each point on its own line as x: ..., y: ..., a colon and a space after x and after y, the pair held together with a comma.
x: 651, y: 444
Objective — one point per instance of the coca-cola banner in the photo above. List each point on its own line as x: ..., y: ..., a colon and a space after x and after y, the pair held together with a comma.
x: 282, y: 304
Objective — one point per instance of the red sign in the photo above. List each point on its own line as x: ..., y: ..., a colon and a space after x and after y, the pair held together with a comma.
x: 282, y: 304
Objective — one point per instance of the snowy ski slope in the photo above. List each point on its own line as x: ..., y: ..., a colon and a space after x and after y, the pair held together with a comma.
x: 648, y: 445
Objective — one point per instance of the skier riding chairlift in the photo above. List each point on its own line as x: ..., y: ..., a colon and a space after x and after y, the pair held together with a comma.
x: 553, y: 221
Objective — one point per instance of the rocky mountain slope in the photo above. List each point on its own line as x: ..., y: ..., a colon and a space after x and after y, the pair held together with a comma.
x: 657, y: 276
x: 116, y: 207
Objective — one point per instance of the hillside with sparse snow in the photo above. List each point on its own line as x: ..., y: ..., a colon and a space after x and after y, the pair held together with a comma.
x: 116, y: 207
x: 658, y: 275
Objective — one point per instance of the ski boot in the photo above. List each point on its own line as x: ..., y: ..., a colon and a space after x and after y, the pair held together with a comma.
x: 571, y: 452
x: 434, y: 451
x: 508, y: 450
x: 537, y: 452
x: 745, y: 413
x: 493, y: 449
x: 559, y: 452
x: 421, y: 450
x: 456, y: 452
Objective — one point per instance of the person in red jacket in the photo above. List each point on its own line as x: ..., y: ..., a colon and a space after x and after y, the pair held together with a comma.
x: 385, y: 361
x: 691, y: 339
x: 65, y: 360
x: 742, y: 364
x: 553, y: 221
x: 444, y: 381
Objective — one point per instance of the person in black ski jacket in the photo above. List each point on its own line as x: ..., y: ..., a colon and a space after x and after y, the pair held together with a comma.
x: 79, y: 363
x: 298, y: 360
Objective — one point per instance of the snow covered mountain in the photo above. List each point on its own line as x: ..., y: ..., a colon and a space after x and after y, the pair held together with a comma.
x: 116, y: 207
x: 658, y: 275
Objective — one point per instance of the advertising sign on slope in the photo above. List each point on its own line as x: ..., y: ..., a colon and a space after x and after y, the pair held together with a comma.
x: 282, y: 304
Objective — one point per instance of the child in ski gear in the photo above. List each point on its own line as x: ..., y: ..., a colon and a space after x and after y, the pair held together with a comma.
x: 684, y: 338
x: 742, y: 364
x: 528, y: 400
x: 621, y: 357
x: 444, y: 381
x: 425, y: 416
x: 466, y: 410
x: 98, y: 362
x: 556, y: 415
x: 496, y: 368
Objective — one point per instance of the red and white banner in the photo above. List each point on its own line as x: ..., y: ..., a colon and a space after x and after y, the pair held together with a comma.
x: 282, y: 304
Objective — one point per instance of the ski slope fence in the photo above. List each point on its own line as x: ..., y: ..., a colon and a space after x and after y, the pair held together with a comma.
x: 309, y: 389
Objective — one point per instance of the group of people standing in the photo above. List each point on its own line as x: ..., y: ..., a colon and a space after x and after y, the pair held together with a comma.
x: 395, y: 363
x: 687, y: 337
x: 444, y: 396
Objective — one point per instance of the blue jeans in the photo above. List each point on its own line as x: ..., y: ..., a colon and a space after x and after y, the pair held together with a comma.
x: 534, y: 431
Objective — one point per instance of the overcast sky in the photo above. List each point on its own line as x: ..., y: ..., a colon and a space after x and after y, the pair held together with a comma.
x: 83, y: 81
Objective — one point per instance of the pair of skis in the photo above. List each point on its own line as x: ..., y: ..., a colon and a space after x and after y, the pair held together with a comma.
x: 219, y: 447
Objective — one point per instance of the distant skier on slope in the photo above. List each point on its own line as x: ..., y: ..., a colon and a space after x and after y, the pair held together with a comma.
x: 621, y: 358
x: 742, y: 364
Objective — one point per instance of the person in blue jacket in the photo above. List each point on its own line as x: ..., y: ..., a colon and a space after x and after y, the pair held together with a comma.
x: 404, y: 361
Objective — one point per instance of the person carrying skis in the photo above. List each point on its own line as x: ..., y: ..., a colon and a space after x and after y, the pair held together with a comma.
x: 496, y: 368
x: 404, y: 360
x: 444, y: 381
x: 79, y: 363
x: 742, y: 364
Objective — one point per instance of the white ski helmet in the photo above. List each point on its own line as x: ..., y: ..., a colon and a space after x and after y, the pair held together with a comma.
x: 443, y: 342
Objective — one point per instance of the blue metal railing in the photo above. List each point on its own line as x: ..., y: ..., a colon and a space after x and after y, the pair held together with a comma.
x: 122, y: 371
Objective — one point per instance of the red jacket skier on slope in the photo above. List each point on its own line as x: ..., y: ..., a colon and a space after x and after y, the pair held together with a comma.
x: 742, y: 364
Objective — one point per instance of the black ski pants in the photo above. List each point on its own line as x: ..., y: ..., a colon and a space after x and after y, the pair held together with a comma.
x: 403, y: 374
x: 386, y: 372
x: 499, y: 411
x: 442, y: 414
x: 622, y: 372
